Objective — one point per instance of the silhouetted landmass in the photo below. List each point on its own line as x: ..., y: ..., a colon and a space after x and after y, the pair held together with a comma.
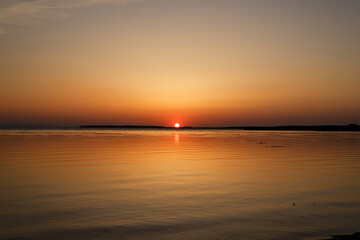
x: 355, y: 236
x: 122, y: 126
x: 350, y: 127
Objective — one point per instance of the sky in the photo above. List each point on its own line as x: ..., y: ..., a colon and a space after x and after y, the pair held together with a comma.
x: 196, y: 62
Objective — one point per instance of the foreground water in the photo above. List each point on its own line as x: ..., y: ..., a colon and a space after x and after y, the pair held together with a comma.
x: 74, y: 184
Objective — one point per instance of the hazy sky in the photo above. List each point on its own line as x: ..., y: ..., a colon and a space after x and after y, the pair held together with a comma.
x: 197, y: 62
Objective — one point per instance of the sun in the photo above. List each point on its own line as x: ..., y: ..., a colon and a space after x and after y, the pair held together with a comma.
x: 176, y: 125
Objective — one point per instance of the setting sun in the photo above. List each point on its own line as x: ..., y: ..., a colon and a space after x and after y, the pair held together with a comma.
x: 176, y: 125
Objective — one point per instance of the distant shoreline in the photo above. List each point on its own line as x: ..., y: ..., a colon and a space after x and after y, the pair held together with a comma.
x: 350, y: 127
x: 331, y: 128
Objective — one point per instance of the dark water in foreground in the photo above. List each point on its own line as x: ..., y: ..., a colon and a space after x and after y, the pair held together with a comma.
x: 178, y: 184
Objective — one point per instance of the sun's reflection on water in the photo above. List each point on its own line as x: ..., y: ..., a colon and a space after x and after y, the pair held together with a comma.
x: 177, y: 137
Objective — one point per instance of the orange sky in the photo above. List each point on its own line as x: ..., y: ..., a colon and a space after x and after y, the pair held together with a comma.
x: 199, y: 62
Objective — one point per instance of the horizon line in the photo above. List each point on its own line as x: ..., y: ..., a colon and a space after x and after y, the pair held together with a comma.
x: 325, y: 127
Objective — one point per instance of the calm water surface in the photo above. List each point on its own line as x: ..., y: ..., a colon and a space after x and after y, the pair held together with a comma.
x: 57, y: 184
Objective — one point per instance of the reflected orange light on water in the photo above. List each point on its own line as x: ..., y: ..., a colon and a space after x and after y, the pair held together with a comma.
x: 144, y: 177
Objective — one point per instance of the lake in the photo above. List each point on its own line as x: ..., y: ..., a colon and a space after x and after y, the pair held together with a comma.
x: 178, y: 184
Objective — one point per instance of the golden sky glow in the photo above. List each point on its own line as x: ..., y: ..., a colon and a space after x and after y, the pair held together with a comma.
x: 198, y: 62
